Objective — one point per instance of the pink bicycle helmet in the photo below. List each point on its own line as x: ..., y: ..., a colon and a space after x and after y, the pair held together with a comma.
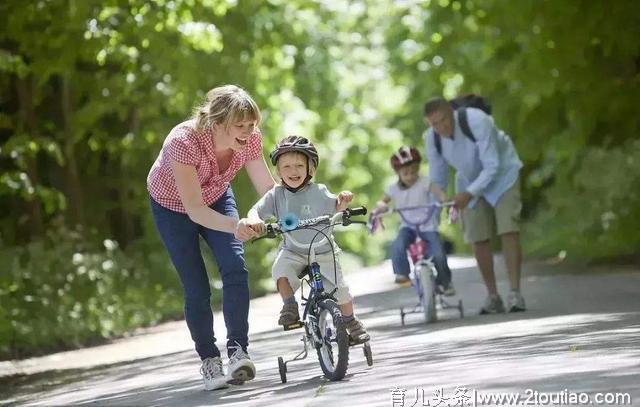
x: 405, y: 156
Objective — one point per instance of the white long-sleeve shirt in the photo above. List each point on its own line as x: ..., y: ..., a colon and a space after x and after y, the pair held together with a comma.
x: 485, y: 168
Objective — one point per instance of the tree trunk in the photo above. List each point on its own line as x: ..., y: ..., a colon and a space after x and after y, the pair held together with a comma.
x: 28, y: 125
x: 75, y: 202
x: 126, y: 220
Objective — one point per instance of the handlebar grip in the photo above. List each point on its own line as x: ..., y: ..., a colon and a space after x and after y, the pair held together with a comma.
x: 359, y: 210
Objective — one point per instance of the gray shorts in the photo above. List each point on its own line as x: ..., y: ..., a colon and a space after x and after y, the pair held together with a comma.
x: 288, y: 264
x: 480, y: 222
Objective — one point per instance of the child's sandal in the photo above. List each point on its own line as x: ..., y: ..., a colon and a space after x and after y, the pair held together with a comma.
x: 357, y: 333
x: 289, y: 314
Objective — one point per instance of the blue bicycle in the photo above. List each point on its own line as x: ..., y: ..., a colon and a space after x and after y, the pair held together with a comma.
x: 324, y: 328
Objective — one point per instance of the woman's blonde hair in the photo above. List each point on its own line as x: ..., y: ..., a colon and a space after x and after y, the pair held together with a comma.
x: 225, y: 105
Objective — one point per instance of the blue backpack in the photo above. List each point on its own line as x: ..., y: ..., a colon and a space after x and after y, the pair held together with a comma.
x: 460, y: 104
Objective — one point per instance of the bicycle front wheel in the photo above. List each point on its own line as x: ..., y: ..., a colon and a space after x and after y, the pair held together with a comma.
x: 333, y: 352
x: 428, y: 298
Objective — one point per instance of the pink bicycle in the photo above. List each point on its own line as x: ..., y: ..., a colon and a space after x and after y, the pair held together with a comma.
x: 423, y: 271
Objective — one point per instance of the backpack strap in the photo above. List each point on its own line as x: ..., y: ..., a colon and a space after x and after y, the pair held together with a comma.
x: 437, y: 142
x: 463, y: 120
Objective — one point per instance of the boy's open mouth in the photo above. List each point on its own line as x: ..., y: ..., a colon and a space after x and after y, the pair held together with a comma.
x: 241, y: 141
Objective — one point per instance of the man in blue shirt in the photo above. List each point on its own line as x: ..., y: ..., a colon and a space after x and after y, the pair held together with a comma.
x: 487, y: 188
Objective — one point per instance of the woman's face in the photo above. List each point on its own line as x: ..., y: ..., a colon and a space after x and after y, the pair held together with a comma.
x: 292, y: 169
x: 235, y: 135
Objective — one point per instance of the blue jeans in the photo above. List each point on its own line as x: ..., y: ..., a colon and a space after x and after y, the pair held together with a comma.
x: 399, y: 259
x: 181, y: 237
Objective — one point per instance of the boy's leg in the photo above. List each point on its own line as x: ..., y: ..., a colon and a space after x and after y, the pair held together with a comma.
x: 180, y: 236
x: 436, y: 250
x: 284, y: 273
x: 332, y: 277
x: 399, y: 260
x: 284, y: 288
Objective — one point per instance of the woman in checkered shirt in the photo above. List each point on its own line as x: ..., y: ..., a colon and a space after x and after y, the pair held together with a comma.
x: 191, y: 196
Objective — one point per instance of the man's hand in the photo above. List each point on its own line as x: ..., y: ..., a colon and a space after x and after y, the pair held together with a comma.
x: 343, y: 200
x: 244, y: 230
x: 461, y: 200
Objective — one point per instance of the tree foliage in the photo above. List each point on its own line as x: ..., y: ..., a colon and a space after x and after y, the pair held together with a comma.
x: 89, y: 89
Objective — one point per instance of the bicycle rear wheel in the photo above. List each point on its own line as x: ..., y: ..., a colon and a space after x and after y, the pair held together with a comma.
x: 428, y: 298
x: 333, y: 353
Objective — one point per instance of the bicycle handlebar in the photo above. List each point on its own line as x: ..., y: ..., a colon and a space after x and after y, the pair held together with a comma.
x: 275, y: 229
x: 375, y: 218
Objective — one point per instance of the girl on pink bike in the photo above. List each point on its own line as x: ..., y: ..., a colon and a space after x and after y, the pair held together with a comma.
x: 414, y: 190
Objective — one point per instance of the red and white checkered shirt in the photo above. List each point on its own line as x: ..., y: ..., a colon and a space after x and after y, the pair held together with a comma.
x: 188, y: 146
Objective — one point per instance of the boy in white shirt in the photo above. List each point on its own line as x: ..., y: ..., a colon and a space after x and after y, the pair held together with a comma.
x: 296, y: 160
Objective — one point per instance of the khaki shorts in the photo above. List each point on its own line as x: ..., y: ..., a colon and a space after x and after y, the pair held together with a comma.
x: 288, y: 264
x: 480, y: 222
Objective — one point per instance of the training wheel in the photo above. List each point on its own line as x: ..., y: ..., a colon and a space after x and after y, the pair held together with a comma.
x: 282, y: 367
x: 461, y: 308
x: 367, y: 353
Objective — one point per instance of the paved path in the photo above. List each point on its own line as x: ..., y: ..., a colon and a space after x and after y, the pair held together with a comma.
x: 581, y: 334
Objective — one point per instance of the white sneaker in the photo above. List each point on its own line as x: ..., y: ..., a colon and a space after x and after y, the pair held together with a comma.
x: 212, y: 374
x: 492, y: 305
x: 516, y: 302
x: 241, y: 368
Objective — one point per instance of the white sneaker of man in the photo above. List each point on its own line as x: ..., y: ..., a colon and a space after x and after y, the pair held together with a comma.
x: 516, y: 302
x: 212, y: 374
x: 492, y: 305
x: 241, y: 368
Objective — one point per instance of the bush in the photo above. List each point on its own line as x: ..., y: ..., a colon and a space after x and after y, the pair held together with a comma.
x: 71, y: 288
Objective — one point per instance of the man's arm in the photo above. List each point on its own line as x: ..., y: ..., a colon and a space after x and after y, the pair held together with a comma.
x: 438, y: 167
x: 486, y: 139
x: 438, y: 192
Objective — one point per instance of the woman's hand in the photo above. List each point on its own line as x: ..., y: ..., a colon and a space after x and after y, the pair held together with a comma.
x: 257, y: 225
x: 244, y: 230
x: 343, y: 200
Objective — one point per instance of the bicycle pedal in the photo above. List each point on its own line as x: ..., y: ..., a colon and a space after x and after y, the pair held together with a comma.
x: 295, y: 325
x: 355, y: 342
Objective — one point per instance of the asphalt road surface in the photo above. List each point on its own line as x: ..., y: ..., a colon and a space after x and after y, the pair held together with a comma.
x: 577, y: 344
